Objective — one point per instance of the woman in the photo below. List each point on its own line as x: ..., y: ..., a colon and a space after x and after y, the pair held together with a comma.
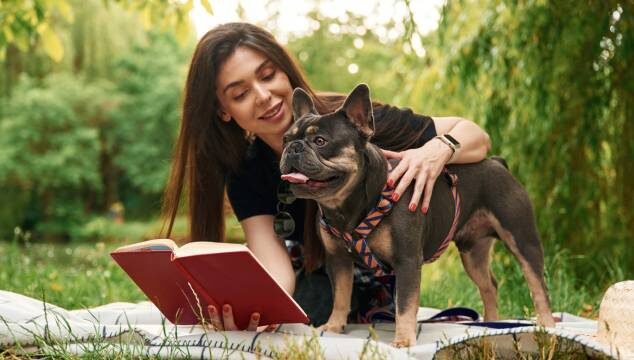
x: 236, y: 108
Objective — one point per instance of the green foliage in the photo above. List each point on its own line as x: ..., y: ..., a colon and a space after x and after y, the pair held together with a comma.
x: 24, y: 23
x: 50, y: 147
x: 44, y: 154
x: 335, y: 48
x: 552, y: 84
x: 103, y: 228
x: 150, y: 79
x: 73, y: 146
x: 445, y: 283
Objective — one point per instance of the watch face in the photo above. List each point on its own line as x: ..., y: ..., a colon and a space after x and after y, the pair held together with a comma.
x: 452, y: 139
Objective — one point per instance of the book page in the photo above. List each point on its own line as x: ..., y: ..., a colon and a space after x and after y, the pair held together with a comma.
x: 207, y: 247
x: 149, y: 245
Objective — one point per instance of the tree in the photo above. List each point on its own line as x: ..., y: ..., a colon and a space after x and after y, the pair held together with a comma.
x: 50, y: 150
x: 553, y: 84
x: 143, y: 129
x: 25, y: 22
x: 40, y: 36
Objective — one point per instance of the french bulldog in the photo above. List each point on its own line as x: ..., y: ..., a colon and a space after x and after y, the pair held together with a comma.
x: 330, y: 159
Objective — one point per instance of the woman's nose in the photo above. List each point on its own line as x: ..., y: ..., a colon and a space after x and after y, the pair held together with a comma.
x: 263, y: 94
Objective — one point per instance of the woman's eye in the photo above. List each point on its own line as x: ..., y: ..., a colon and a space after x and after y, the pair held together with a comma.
x: 269, y: 76
x: 240, y: 96
x: 319, y: 141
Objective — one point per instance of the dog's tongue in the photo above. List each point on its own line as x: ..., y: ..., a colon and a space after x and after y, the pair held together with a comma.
x: 296, y: 178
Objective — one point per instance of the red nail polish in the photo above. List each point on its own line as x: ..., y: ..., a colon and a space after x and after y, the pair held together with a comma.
x: 390, y: 182
x: 226, y: 308
x: 424, y: 210
x: 255, y: 317
x: 412, y: 207
x: 395, y: 196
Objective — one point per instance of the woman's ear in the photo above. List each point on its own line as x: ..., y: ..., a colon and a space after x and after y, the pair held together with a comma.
x: 224, y: 116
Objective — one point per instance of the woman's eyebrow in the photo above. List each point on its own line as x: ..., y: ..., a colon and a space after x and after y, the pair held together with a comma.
x: 239, y: 82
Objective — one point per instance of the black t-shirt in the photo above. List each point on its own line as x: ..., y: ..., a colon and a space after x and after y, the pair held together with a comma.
x: 253, y: 190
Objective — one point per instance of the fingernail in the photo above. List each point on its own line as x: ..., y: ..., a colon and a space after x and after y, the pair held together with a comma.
x: 212, y: 309
x: 390, y: 182
x: 424, y: 210
x: 255, y: 317
x: 226, y: 308
x: 412, y: 207
x: 395, y: 196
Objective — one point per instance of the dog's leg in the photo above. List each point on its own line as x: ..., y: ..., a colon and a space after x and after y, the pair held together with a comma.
x: 339, y: 267
x: 523, y: 242
x: 407, y: 274
x: 340, y: 271
x: 477, y: 263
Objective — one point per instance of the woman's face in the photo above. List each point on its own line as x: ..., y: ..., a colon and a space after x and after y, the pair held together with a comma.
x: 255, y: 93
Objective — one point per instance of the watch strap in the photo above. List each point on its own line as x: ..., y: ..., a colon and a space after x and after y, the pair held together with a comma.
x: 452, y: 140
x: 449, y: 143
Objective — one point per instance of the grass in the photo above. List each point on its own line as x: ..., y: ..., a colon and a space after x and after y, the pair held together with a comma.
x: 446, y: 284
x: 80, y: 275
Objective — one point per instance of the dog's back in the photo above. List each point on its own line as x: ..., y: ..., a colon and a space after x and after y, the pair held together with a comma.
x: 489, y: 186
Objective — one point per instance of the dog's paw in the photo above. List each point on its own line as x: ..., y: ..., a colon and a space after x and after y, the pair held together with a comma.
x: 401, y: 342
x: 546, y: 321
x: 332, y: 327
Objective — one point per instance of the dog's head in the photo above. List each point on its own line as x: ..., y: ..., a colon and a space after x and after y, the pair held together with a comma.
x: 323, y: 154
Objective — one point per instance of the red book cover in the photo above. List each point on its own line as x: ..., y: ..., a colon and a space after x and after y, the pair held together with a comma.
x: 183, y: 281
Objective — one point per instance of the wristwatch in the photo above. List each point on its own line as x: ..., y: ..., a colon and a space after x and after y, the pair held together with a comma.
x: 451, y: 142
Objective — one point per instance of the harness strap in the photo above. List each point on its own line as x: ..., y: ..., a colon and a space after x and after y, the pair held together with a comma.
x: 452, y: 230
x: 357, y: 239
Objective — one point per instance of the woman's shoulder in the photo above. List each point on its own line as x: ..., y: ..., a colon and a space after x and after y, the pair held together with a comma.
x: 390, y: 113
x: 399, y: 128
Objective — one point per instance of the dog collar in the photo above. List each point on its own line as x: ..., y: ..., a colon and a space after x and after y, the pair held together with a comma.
x: 357, y: 239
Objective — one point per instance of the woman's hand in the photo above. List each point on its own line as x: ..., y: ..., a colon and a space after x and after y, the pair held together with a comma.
x: 423, y: 165
x: 225, y: 321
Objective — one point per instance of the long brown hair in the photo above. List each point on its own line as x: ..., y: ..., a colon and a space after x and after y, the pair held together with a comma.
x: 208, y: 149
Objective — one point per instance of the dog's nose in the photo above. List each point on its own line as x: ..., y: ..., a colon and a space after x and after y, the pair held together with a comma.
x: 296, y: 147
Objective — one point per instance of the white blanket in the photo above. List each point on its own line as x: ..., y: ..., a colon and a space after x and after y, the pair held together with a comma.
x: 29, y: 324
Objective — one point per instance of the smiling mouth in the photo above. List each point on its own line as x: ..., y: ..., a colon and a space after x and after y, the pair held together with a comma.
x: 271, y: 113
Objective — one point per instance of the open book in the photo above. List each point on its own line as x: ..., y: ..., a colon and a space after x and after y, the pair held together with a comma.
x: 182, y: 281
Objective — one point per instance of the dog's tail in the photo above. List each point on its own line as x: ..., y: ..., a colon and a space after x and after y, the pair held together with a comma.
x: 500, y: 160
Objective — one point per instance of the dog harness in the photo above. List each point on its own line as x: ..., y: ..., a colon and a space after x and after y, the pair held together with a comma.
x: 357, y: 239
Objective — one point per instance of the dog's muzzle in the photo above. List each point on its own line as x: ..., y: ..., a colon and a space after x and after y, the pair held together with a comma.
x: 296, y: 147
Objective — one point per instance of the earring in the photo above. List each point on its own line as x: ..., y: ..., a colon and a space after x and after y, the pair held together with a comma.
x: 224, y: 116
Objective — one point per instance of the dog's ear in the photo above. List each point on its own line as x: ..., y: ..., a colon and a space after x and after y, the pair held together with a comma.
x: 302, y: 103
x: 358, y: 108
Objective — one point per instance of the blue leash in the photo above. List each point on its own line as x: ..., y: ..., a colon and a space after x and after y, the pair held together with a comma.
x: 465, y: 314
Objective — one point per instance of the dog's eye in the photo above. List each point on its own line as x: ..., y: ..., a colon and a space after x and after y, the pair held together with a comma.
x: 319, y: 141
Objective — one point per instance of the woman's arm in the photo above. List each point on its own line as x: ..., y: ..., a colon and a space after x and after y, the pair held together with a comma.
x: 474, y: 142
x: 269, y: 249
x: 424, y: 164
